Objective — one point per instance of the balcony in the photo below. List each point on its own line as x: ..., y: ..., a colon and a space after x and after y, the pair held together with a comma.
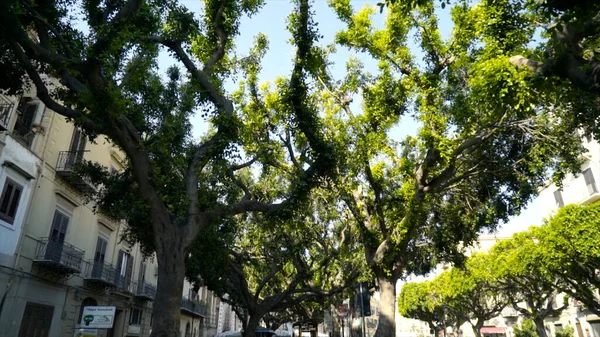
x: 60, y: 257
x: 65, y: 168
x: 123, y: 285
x: 5, y: 110
x: 193, y: 308
x: 144, y: 291
x: 100, y: 274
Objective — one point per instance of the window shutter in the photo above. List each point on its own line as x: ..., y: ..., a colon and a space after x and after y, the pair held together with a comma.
x: 9, y: 201
x: 129, y: 270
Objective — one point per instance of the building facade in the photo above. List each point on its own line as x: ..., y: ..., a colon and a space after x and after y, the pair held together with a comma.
x: 57, y: 255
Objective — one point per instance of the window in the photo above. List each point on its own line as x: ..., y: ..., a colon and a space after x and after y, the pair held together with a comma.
x: 36, y: 320
x: 9, y: 201
x: 98, y: 267
x: 142, y: 276
x: 135, y: 316
x: 188, y: 332
x: 27, y: 117
x: 124, y: 270
x: 558, y: 198
x: 588, y: 176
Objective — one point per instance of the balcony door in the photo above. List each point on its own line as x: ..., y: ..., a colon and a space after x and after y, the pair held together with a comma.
x: 56, y: 240
x: 99, y: 258
x: 77, y: 148
x: 124, y: 270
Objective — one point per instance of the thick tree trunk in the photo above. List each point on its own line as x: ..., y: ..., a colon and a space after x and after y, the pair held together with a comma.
x: 387, y: 307
x: 253, y: 321
x: 433, y: 328
x: 540, y: 327
x: 169, y: 291
x: 477, y: 330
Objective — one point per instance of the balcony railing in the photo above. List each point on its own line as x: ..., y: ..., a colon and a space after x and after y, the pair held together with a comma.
x: 59, y: 255
x: 66, y: 165
x: 193, y: 308
x: 101, y: 273
x: 68, y: 160
x: 123, y: 284
x: 145, y: 291
x: 5, y: 109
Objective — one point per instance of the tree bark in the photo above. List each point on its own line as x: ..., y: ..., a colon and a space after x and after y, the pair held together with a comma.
x: 477, y: 330
x: 169, y: 290
x: 434, y: 329
x: 387, y: 307
x: 253, y: 321
x: 540, y: 327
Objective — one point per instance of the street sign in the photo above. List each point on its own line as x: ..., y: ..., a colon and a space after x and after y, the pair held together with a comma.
x: 343, y: 310
x: 98, y: 317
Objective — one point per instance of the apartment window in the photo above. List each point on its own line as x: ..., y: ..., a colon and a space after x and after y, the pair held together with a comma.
x: 142, y: 276
x: 188, y: 330
x: 135, y: 317
x: 9, y: 201
x: 124, y: 269
x: 27, y: 117
x: 588, y: 176
x: 98, y: 267
x: 558, y: 198
x: 36, y: 320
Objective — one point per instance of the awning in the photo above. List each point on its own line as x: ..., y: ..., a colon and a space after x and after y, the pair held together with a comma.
x: 492, y: 329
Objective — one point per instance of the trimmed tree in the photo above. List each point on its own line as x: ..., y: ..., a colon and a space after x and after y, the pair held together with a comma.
x: 519, y: 266
x: 569, y: 241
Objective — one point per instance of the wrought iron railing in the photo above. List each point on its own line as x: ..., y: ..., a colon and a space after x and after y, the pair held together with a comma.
x: 145, y: 289
x: 67, y: 160
x: 122, y: 283
x: 101, y: 271
x: 61, y: 253
x: 5, y: 110
x: 195, y: 307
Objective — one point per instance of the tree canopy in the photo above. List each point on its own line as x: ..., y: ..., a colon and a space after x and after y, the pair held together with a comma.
x: 488, y: 135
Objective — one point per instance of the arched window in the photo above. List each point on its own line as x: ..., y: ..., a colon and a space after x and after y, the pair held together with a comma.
x: 87, y: 302
x: 188, y: 330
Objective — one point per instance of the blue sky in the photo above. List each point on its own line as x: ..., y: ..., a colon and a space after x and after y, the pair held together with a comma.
x: 271, y: 20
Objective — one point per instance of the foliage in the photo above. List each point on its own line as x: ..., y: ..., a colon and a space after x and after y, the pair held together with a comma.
x: 473, y: 292
x: 278, y: 275
x: 530, y: 286
x: 525, y: 329
x: 567, y: 331
x: 484, y: 142
x: 419, y: 300
x: 569, y: 240
x: 96, y: 63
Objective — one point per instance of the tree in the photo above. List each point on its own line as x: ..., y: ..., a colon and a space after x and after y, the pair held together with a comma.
x: 525, y: 329
x: 288, y: 273
x: 174, y: 186
x: 520, y: 269
x: 484, y: 142
x: 570, y: 50
x: 569, y: 240
x: 473, y: 292
x: 419, y: 300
